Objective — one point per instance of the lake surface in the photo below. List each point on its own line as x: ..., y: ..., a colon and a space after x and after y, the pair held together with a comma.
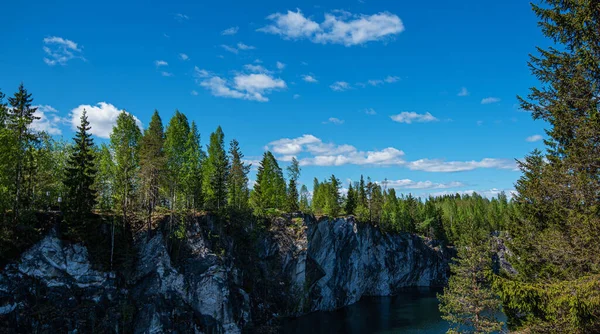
x: 414, y: 310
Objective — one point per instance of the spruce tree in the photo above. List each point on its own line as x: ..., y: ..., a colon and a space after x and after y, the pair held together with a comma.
x: 468, y: 302
x: 124, y: 141
x: 216, y: 170
x: 21, y: 115
x: 237, y: 185
x: 80, y: 174
x: 269, y: 189
x: 292, y: 189
x: 350, y: 200
x: 304, y: 202
x: 152, y: 164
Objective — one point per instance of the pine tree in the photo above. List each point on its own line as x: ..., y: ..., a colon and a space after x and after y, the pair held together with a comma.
x: 237, y: 185
x: 152, y: 164
x: 292, y: 190
x: 20, y: 117
x: 124, y: 141
x: 468, y: 302
x: 80, y: 174
x: 176, y: 138
x: 216, y: 172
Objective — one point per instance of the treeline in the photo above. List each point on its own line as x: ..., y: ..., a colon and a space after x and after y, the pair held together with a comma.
x: 165, y: 168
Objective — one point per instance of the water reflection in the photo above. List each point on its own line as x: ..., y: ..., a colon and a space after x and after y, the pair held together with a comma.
x: 414, y: 310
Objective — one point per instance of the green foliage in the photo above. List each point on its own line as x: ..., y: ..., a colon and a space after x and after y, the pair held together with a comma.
x: 80, y: 197
x: 175, y: 146
x: 238, y: 192
x: 269, y: 190
x: 292, y: 204
x: 468, y: 302
x: 152, y: 164
x: 124, y: 143
x: 216, y: 173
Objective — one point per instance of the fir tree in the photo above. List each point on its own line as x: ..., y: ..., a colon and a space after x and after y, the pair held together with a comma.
x: 468, y: 302
x: 192, y: 171
x: 237, y: 184
x: 20, y: 117
x: 304, y: 203
x: 176, y: 139
x: 269, y: 189
x: 292, y: 190
x: 350, y: 200
x: 80, y: 173
x: 216, y: 172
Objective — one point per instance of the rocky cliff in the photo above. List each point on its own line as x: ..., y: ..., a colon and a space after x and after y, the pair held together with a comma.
x: 292, y: 267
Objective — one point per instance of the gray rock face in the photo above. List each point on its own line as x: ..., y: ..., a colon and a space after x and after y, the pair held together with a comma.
x: 336, y: 262
x: 300, y: 267
x: 201, y: 288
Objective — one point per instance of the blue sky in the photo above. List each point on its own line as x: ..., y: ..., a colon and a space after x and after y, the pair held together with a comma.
x: 420, y: 93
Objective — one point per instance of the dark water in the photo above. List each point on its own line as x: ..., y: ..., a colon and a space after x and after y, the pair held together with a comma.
x: 411, y: 311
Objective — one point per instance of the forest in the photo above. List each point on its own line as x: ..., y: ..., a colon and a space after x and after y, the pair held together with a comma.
x: 550, y: 227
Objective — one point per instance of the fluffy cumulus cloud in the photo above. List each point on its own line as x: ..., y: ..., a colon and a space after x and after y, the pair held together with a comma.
x: 438, y: 165
x: 102, y: 118
x: 59, y: 50
x: 49, y: 120
x: 312, y: 151
x: 338, y: 27
x: 256, y: 68
x: 412, y: 117
x: 252, y: 86
x: 534, y: 138
x: 183, y: 56
x: 330, y: 154
x: 340, y: 86
x: 410, y: 184
x: 490, y: 100
x: 280, y: 65
x: 230, y: 31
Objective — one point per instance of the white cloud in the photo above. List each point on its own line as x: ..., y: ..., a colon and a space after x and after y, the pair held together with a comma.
x: 244, y: 86
x: 102, y: 118
x: 410, y: 117
x: 229, y: 48
x: 309, y: 78
x: 230, y: 31
x: 438, y: 165
x: 463, y: 92
x: 243, y: 46
x: 339, y: 27
x: 410, y: 184
x: 201, y: 73
x: 391, y: 79
x: 340, y: 86
x: 489, y: 193
x: 160, y: 63
x: 490, y: 100
x: 280, y: 65
x: 48, y: 120
x: 59, y: 50
x: 312, y: 151
x: 181, y: 17
x: 166, y: 74
x: 534, y: 138
x: 256, y: 68
x: 183, y: 56
x: 330, y: 154
x: 296, y: 96
x: 370, y: 111
x: 193, y: 92
x: 334, y: 120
